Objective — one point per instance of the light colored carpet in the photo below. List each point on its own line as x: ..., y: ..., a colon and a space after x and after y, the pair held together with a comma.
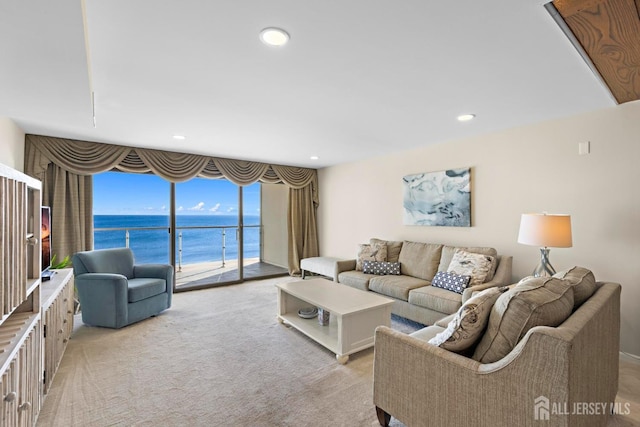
x: 219, y: 357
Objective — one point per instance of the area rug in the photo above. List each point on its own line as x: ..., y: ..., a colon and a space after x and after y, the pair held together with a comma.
x: 217, y: 357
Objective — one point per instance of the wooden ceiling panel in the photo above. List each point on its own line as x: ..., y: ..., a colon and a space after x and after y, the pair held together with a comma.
x: 609, y: 32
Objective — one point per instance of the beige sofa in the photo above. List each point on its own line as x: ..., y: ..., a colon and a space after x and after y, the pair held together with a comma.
x: 568, y: 373
x: 414, y: 297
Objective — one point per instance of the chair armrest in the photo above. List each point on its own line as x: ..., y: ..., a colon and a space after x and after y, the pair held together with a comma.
x: 93, y: 284
x: 157, y: 271
x: 345, y: 265
x: 103, y: 296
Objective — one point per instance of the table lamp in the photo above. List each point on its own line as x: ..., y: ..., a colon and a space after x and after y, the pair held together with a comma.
x: 546, y: 231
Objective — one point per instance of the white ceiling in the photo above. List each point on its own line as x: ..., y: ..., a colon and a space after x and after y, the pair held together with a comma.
x: 359, y: 78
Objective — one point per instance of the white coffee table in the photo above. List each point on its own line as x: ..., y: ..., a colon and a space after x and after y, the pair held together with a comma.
x: 355, y: 314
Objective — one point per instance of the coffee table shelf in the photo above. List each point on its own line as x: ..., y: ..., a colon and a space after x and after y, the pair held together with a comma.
x: 325, y: 335
x: 355, y: 314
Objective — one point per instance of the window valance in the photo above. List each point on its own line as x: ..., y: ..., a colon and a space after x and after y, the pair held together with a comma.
x: 88, y: 158
x: 66, y: 166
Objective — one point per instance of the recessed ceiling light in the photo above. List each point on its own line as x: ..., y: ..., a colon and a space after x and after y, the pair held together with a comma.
x: 466, y: 117
x: 274, y: 36
x: 314, y: 157
x: 180, y: 137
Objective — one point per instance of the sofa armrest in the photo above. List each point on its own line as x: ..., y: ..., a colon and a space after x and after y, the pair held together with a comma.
x: 345, y: 265
x: 421, y: 384
x: 502, y: 277
x: 468, y: 292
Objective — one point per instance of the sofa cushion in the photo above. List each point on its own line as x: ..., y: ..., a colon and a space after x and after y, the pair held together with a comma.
x: 450, y: 281
x: 445, y: 320
x: 395, y: 286
x: 143, y: 288
x: 355, y: 279
x: 368, y: 252
x: 393, y: 248
x: 537, y: 301
x: 381, y: 268
x: 583, y: 282
x: 449, y: 251
x: 436, y: 299
x: 419, y: 259
x: 470, y: 264
x: 426, y: 334
x: 468, y: 324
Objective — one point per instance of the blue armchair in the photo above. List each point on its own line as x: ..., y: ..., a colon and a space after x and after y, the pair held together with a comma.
x: 114, y: 292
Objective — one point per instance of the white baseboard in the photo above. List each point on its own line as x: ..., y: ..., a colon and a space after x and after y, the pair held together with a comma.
x: 628, y: 357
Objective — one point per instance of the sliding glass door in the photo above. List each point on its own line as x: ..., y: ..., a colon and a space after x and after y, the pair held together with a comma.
x: 211, y: 230
x: 207, y: 233
x: 132, y: 210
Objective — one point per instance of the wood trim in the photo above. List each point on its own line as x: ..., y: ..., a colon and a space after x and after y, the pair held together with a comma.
x: 609, y: 31
x: 571, y: 7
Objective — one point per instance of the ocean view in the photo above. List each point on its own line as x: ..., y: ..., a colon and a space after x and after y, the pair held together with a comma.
x: 198, y: 245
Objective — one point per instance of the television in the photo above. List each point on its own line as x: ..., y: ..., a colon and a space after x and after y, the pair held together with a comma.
x: 45, y: 242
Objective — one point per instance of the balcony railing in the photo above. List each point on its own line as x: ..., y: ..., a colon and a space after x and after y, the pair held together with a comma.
x: 179, y: 229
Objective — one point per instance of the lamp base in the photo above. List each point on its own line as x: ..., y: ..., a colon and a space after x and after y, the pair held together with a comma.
x: 544, y: 269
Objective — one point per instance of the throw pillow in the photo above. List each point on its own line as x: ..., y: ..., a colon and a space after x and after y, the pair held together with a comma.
x: 393, y: 248
x: 468, y: 325
x: 450, y: 281
x: 466, y: 263
x: 449, y: 251
x: 371, y: 252
x: 583, y: 282
x: 381, y: 268
x: 538, y: 301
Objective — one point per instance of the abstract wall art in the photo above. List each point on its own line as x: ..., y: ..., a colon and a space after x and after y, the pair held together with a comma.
x: 440, y: 198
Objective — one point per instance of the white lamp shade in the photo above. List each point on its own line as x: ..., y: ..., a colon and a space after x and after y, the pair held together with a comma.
x: 545, y: 230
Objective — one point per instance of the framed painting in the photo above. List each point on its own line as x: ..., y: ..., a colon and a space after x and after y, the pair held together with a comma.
x: 440, y: 198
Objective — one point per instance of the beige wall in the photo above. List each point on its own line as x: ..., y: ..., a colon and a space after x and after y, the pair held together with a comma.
x: 529, y: 169
x: 11, y: 144
x: 273, y: 211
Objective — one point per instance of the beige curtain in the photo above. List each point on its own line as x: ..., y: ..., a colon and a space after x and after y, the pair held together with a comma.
x: 75, y: 162
x: 70, y: 197
x: 302, y: 224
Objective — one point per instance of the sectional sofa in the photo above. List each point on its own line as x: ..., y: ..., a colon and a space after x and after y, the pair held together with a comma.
x: 414, y: 296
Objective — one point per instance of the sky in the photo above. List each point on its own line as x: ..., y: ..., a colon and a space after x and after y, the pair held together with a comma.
x: 118, y: 193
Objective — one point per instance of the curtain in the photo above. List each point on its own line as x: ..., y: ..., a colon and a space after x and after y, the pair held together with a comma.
x: 75, y: 161
x: 70, y: 197
x: 302, y: 224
